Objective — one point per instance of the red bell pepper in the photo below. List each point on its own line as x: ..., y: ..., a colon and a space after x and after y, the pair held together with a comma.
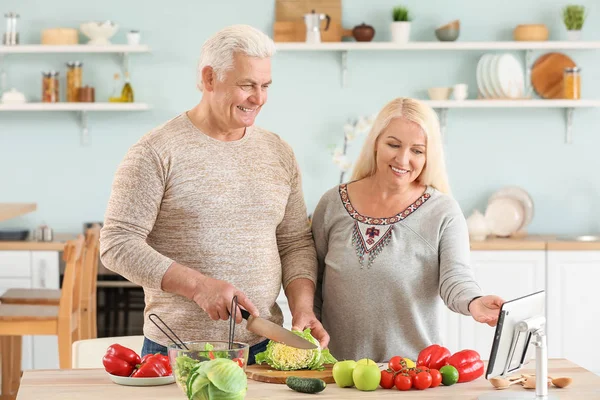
x: 151, y: 368
x: 119, y: 360
x: 468, y: 364
x: 433, y: 356
x: 164, y: 359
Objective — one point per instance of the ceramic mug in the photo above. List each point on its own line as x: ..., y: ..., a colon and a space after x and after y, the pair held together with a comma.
x: 133, y: 38
x: 460, y: 91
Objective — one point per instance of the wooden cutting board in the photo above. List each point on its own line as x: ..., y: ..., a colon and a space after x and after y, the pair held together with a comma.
x: 289, y: 31
x: 264, y: 373
x: 547, y: 75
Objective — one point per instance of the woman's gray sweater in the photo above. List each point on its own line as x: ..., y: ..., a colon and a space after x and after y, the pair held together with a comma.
x: 381, y: 282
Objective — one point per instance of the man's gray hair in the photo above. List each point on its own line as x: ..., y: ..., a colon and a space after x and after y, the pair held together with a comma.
x: 218, y: 51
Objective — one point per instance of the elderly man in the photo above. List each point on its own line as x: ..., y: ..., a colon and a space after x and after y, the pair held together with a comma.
x: 209, y: 206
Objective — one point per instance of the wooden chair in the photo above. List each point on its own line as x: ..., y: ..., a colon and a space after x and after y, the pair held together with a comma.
x: 51, y: 297
x: 17, y: 320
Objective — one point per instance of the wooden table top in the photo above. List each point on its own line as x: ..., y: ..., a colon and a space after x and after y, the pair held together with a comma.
x: 94, y: 384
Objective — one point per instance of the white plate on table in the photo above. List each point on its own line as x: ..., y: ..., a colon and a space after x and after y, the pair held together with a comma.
x: 128, y: 381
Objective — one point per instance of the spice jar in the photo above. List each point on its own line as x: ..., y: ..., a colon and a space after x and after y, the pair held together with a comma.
x: 73, y: 79
x: 50, y: 87
x: 572, y: 83
x: 86, y: 94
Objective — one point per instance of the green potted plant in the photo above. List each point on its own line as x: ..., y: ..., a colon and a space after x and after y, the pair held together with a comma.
x: 401, y: 24
x: 573, y: 18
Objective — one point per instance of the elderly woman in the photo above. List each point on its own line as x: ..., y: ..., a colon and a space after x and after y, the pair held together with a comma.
x: 392, y: 242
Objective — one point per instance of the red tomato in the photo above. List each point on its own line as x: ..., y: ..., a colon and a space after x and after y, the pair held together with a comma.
x: 403, y: 382
x: 422, y: 368
x: 240, y: 361
x: 422, y: 380
x: 411, y: 372
x: 397, y: 363
x: 436, y: 377
x: 387, y: 379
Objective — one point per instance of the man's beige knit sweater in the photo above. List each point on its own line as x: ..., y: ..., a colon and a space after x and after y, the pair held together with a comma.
x: 231, y: 210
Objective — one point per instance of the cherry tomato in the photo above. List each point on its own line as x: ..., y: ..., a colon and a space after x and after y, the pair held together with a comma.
x: 240, y: 361
x: 403, y: 382
x: 436, y: 377
x: 387, y: 379
x: 411, y: 372
x: 422, y: 380
x: 422, y: 368
x: 397, y: 363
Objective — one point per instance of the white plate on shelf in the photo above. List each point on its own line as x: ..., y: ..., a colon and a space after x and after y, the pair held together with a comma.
x: 521, y: 195
x: 504, y: 216
x: 481, y: 68
x: 510, y: 76
x: 492, y: 77
x: 128, y: 381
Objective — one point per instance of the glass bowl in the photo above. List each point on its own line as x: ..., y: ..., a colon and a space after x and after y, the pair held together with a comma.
x: 182, y: 360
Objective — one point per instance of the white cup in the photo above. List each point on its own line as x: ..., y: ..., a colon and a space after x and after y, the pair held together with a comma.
x: 133, y: 38
x: 460, y: 91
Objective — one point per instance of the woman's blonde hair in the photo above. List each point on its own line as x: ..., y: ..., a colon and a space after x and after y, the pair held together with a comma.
x: 434, y: 172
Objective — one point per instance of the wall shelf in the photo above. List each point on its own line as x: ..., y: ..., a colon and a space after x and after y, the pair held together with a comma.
x: 345, y: 47
x: 75, y: 48
x: 568, y: 105
x: 121, y: 51
x: 81, y: 109
x: 502, y: 45
x: 442, y: 106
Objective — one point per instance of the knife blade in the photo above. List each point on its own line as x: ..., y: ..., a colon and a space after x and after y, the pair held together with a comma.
x: 270, y: 330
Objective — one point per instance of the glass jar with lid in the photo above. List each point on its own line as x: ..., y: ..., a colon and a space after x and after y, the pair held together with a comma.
x: 50, y: 87
x: 74, y: 77
x: 572, y: 83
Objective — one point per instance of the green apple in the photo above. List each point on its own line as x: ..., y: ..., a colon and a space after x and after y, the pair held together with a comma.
x: 342, y: 373
x: 366, y: 375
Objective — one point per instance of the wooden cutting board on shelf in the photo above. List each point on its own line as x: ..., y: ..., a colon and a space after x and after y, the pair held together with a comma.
x: 289, y: 31
x: 264, y: 373
x: 547, y: 75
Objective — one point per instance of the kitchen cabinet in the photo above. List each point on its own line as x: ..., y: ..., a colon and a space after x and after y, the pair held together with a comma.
x: 33, y: 269
x: 508, y: 274
x: 572, y: 298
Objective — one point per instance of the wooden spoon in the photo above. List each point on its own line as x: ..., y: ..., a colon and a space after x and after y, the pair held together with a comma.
x: 501, y: 383
x: 562, y: 382
x: 530, y: 382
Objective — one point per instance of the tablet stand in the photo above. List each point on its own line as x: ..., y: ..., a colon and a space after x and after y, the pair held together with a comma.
x: 533, y: 330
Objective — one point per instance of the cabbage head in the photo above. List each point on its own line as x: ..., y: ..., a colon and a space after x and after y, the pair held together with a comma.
x: 287, y: 358
x: 218, y: 379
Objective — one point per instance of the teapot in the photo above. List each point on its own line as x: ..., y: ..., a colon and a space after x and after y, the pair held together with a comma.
x: 313, y: 26
x: 477, y: 226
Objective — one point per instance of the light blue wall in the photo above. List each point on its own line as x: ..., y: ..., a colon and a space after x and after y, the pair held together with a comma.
x: 40, y: 155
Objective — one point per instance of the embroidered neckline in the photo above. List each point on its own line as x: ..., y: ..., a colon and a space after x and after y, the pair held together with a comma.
x: 343, y: 189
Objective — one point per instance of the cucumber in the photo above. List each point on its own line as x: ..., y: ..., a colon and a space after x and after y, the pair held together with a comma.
x: 305, y: 385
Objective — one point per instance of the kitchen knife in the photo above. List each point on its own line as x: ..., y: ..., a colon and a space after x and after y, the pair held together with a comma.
x: 270, y: 330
